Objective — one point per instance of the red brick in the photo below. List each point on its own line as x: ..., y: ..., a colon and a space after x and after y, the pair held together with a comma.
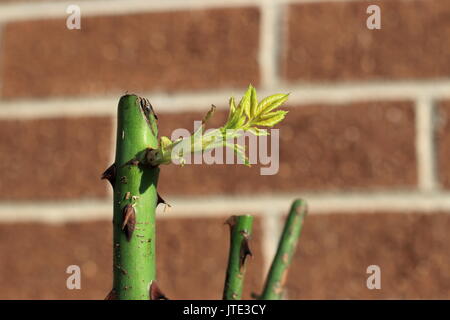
x: 330, y: 41
x: 60, y: 158
x: 192, y: 256
x: 367, y: 145
x: 335, y: 250
x: 322, y: 147
x: 182, y: 50
x: 35, y: 258
x: 333, y: 254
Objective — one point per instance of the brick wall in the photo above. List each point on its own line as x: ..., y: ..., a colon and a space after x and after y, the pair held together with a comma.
x: 365, y: 141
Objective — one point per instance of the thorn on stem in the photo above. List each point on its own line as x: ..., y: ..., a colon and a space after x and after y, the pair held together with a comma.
x: 110, y: 174
x: 209, y: 115
x: 150, y: 156
x: 111, y: 295
x: 245, y: 250
x: 128, y: 220
x: 231, y: 221
x: 147, y: 107
x: 161, y: 200
x: 156, y: 293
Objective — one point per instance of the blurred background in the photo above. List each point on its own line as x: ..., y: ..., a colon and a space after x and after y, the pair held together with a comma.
x: 365, y: 142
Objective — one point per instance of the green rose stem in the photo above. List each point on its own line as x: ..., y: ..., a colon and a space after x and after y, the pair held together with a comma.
x: 135, y: 200
x: 277, y: 276
x: 134, y: 177
x: 240, y: 233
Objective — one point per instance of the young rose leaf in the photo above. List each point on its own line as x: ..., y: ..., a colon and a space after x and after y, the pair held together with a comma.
x: 205, y: 119
x: 258, y: 131
x: 209, y: 142
x: 231, y: 124
x: 164, y: 142
x: 253, y: 103
x: 232, y: 109
x: 239, y: 151
x: 240, y: 122
x: 246, y: 116
x: 271, y: 102
x: 271, y: 119
x: 209, y: 114
x: 245, y: 101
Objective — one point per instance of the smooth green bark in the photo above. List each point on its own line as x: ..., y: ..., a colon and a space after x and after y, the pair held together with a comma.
x: 277, y: 276
x: 240, y: 233
x: 135, y: 185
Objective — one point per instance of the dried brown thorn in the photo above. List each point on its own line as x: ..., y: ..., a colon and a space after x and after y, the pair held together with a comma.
x: 156, y: 293
x: 110, y: 174
x: 161, y: 200
x: 245, y: 250
x: 128, y: 220
x: 111, y: 295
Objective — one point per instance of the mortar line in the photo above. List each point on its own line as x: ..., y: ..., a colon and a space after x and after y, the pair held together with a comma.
x: 425, y: 145
x: 269, y: 46
x: 271, y: 227
x: 2, y: 53
x: 213, y: 206
x: 335, y: 94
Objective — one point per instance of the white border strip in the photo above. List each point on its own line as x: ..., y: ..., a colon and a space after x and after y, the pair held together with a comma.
x: 57, y: 9
x: 261, y: 205
x: 201, y: 101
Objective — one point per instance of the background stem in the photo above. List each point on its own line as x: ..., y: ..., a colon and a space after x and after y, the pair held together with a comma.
x: 240, y: 232
x: 134, y: 185
x: 277, y: 276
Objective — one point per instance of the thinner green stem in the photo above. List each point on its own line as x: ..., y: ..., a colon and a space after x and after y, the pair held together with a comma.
x: 240, y: 233
x: 277, y: 276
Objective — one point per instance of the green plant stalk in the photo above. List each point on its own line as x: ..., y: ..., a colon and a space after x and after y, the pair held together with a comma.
x: 135, y: 184
x: 240, y: 233
x: 277, y: 276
